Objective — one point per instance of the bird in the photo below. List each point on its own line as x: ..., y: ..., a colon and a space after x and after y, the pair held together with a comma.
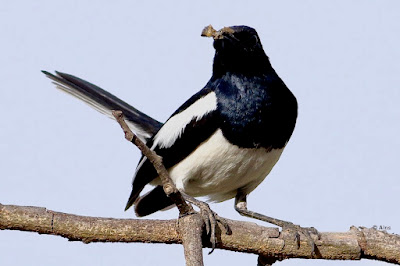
x: 223, y: 141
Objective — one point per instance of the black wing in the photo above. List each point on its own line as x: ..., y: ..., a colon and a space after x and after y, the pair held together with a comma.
x: 196, y: 131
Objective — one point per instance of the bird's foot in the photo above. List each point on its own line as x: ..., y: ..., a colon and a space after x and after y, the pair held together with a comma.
x: 309, y: 232
x: 210, y: 219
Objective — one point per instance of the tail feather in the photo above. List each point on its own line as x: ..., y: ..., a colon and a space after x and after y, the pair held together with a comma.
x: 143, y: 125
x: 153, y: 201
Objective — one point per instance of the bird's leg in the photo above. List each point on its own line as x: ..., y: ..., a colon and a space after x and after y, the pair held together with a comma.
x: 210, y: 219
x: 241, y: 208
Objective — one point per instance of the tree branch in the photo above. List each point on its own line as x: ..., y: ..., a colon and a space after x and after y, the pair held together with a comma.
x: 191, y: 228
x: 268, y: 243
x: 168, y: 185
x: 192, y: 225
x: 357, y: 243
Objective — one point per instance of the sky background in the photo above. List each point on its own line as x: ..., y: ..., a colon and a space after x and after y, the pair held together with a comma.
x: 340, y: 58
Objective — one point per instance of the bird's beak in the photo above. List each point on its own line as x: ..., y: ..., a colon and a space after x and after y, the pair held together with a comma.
x: 209, y: 31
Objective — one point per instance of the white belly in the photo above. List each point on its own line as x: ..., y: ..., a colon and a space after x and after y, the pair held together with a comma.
x: 217, y: 169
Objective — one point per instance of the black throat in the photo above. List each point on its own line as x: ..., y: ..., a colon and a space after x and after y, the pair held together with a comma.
x: 254, y: 64
x: 255, y: 110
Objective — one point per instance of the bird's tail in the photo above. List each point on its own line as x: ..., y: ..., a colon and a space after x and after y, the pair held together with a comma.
x: 143, y: 125
x: 153, y: 201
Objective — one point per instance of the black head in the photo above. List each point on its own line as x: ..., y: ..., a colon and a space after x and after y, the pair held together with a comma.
x: 238, y: 49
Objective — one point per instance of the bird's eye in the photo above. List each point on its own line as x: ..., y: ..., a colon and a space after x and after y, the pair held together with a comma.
x: 253, y: 41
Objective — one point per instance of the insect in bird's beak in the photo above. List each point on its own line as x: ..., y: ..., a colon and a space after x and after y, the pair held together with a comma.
x: 209, y: 31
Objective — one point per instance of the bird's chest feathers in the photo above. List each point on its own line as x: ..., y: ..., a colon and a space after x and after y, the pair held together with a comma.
x: 242, y: 102
x: 246, y: 106
x: 217, y: 168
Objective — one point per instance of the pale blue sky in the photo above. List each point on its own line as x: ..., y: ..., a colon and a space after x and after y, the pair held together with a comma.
x: 340, y: 59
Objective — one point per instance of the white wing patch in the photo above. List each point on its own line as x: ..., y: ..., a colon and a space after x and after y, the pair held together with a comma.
x: 174, y: 127
x: 142, y: 134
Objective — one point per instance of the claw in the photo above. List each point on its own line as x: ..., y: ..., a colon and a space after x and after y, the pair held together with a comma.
x: 210, y: 219
x: 241, y: 207
x: 228, y: 230
x: 306, y: 231
x: 207, y: 220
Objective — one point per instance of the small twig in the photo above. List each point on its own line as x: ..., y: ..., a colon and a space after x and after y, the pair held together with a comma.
x: 190, y: 225
x: 191, y: 230
x: 169, y: 187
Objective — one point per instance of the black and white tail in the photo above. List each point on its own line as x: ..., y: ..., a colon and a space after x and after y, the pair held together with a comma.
x: 104, y: 102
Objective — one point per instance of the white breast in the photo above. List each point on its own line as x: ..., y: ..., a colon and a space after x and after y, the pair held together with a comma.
x: 217, y: 169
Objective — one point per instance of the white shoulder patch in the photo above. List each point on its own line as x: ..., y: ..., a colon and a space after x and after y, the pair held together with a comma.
x: 174, y: 127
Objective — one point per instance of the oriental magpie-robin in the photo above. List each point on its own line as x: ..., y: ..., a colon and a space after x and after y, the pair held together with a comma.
x: 224, y: 140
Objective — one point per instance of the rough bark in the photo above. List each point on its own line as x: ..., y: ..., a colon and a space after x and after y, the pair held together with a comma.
x: 246, y: 237
x: 191, y: 231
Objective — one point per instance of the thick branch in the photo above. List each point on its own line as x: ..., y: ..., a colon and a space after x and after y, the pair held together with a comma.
x: 247, y: 237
